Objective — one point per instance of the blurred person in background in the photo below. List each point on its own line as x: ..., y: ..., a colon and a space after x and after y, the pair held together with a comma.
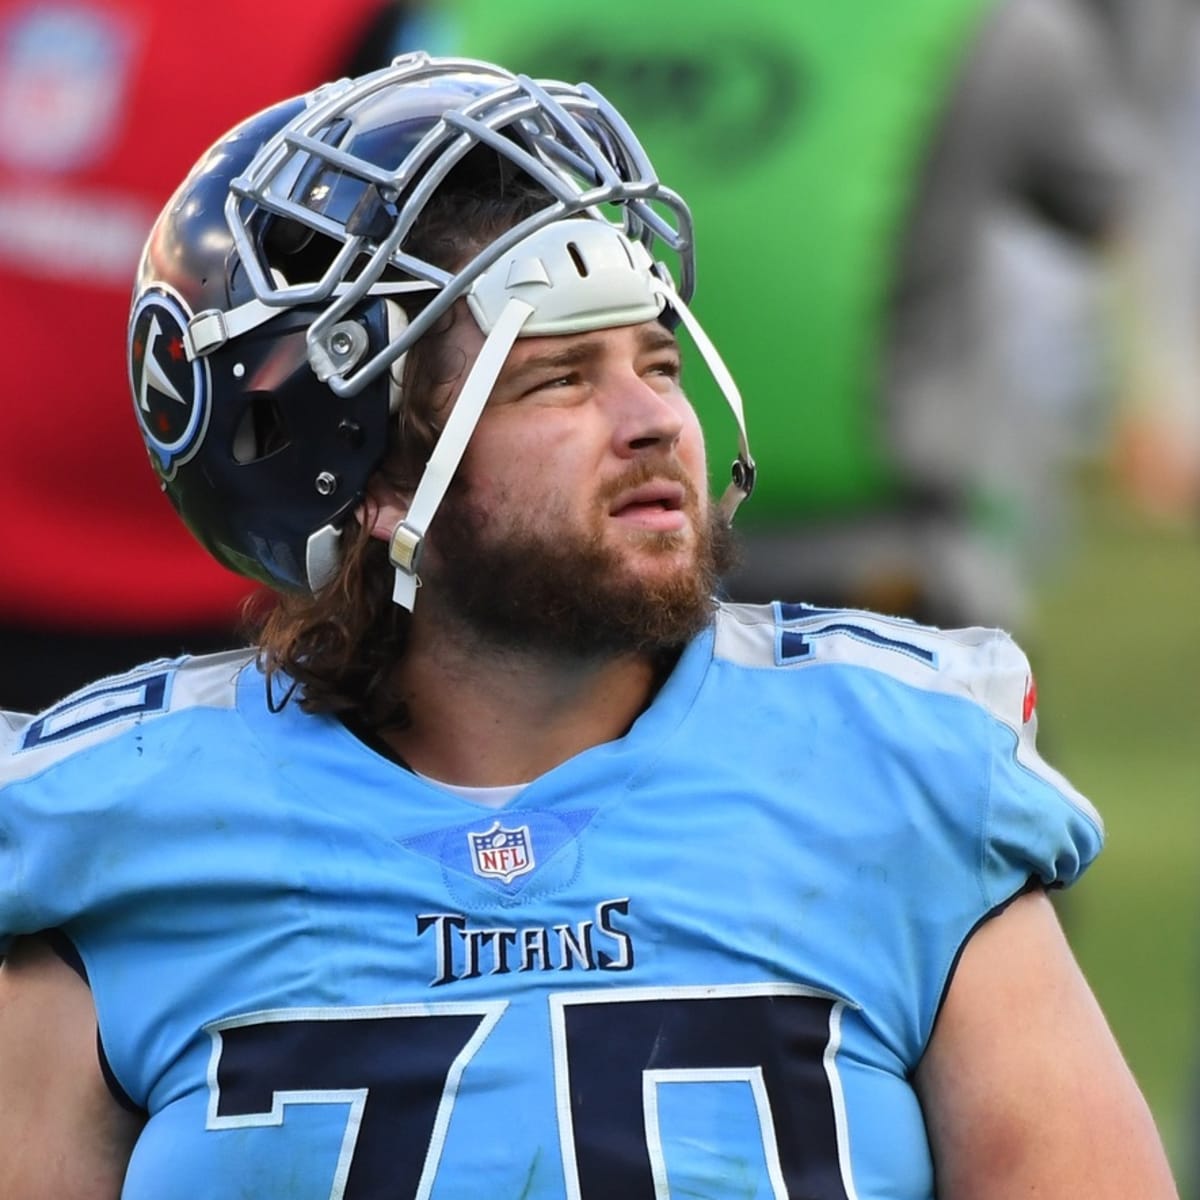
x: 102, y: 107
x: 1156, y: 441
x: 935, y: 193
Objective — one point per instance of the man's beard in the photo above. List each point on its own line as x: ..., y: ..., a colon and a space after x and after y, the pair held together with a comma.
x: 570, y: 594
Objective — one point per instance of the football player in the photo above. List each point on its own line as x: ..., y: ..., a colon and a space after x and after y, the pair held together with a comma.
x: 511, y: 861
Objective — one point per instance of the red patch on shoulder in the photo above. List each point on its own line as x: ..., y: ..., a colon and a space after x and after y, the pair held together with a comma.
x: 1030, y: 699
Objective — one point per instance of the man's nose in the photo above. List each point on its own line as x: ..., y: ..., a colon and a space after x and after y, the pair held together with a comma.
x: 647, y: 415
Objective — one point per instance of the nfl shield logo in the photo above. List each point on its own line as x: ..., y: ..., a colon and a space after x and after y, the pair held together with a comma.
x: 501, y: 853
x: 63, y: 82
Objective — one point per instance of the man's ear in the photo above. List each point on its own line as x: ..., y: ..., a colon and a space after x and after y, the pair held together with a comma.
x: 382, y: 510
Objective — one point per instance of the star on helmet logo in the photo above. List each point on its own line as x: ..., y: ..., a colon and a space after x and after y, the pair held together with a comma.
x: 171, y: 395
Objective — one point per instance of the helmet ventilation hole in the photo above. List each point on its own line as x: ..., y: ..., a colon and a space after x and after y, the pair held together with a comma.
x: 260, y: 432
x: 577, y: 259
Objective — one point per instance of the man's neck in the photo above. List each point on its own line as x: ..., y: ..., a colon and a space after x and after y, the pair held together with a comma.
x: 484, y: 717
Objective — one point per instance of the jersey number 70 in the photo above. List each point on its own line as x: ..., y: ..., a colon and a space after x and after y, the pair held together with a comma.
x: 623, y: 1058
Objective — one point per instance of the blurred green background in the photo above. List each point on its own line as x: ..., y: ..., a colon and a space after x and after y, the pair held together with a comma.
x: 1116, y: 647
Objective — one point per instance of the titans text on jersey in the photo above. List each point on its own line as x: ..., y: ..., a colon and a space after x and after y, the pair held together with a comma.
x: 465, y: 951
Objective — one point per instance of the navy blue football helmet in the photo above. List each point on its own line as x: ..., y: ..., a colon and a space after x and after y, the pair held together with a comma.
x: 272, y: 306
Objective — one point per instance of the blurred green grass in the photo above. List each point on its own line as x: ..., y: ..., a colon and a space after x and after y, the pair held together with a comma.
x: 1116, y: 648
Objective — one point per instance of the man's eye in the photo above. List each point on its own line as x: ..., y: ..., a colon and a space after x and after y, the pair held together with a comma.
x: 670, y: 367
x: 556, y: 381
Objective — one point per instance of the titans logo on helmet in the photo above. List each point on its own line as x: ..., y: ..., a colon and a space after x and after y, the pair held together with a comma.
x: 171, y: 395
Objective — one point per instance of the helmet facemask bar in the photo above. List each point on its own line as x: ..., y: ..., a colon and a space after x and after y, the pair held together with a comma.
x: 569, y: 140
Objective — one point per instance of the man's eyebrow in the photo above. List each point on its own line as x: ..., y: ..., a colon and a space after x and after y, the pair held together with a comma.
x: 573, y: 354
x: 577, y: 353
x: 653, y: 337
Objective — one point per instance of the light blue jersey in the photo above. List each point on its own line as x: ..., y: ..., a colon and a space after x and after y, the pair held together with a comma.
x: 702, y: 960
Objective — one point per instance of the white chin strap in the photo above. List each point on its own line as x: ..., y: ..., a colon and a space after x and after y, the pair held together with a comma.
x: 569, y: 277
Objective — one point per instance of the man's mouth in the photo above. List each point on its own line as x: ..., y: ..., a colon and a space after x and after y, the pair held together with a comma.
x: 656, y: 506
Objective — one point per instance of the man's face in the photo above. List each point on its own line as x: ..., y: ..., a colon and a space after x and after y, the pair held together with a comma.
x: 580, y: 521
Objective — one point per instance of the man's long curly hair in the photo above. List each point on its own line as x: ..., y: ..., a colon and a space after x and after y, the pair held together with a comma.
x: 336, y: 651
